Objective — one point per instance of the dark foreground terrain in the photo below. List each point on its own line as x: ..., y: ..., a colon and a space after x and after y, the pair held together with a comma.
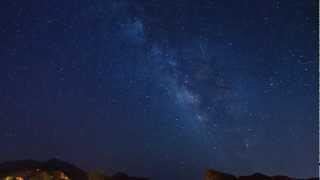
x: 55, y: 169
x: 216, y: 175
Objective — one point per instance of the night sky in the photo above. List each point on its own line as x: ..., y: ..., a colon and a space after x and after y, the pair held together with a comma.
x: 164, y: 89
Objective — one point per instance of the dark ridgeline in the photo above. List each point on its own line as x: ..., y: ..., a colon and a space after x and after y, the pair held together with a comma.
x: 216, y: 175
x: 123, y: 176
x: 55, y: 168
x: 31, y: 168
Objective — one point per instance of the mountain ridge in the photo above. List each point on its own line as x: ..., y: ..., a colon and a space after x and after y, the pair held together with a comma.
x: 212, y: 174
x: 57, y: 169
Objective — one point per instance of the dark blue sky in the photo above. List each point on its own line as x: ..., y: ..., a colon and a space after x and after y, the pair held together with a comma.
x: 161, y: 88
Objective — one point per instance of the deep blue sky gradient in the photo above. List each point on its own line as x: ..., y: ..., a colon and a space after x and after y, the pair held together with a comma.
x: 161, y: 88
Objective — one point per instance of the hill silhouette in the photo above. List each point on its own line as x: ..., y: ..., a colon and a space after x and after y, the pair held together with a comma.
x: 55, y: 169
x: 216, y: 175
x: 32, y: 168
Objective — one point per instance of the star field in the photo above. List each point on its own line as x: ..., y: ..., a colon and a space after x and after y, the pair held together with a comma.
x: 164, y: 89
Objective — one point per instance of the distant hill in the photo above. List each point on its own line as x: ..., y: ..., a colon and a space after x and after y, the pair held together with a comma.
x: 31, y: 168
x: 216, y: 175
x: 55, y: 169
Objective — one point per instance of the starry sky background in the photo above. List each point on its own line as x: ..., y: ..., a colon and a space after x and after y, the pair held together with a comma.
x: 163, y: 89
